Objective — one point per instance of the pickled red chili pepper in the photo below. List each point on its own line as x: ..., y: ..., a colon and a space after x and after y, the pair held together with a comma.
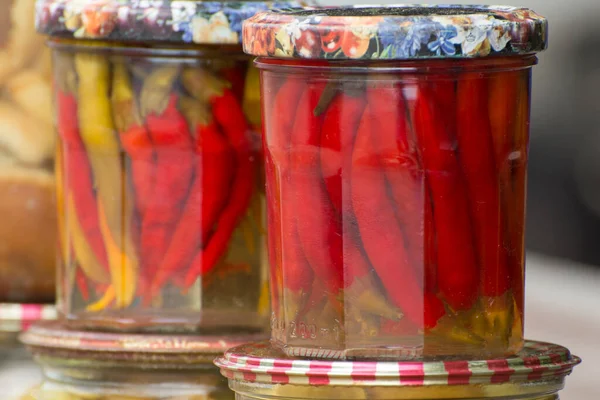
x: 208, y: 194
x: 174, y: 166
x: 299, y: 274
x: 457, y: 273
x: 340, y: 123
x: 134, y: 136
x: 516, y: 192
x: 230, y: 118
x: 79, y: 193
x: 397, y: 151
x: 477, y: 158
x: 338, y: 132
x: 379, y: 229
x: 314, y: 217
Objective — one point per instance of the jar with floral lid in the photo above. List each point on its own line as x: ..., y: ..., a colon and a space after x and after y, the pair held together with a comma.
x: 396, y: 147
x: 159, y: 166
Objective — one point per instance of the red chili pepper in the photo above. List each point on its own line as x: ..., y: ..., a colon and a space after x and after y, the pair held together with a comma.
x: 340, y: 123
x: 380, y: 232
x: 457, y: 273
x: 518, y: 190
x: 230, y: 118
x: 477, y: 159
x: 339, y: 129
x: 172, y: 178
x: 134, y: 136
x: 206, y: 200
x: 317, y: 231
x: 82, y: 284
x: 400, y: 166
x: 430, y: 256
x: 297, y: 275
x: 79, y: 174
x: 274, y: 241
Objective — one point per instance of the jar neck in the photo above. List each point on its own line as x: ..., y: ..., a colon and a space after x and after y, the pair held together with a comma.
x: 433, y: 66
x: 151, y: 50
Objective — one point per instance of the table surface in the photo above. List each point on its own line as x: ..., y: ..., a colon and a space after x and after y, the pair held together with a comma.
x: 562, y: 306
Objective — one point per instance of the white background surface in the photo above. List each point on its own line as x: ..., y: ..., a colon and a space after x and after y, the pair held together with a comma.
x: 563, y: 306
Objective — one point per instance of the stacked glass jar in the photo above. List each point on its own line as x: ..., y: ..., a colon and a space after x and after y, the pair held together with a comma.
x: 161, y: 206
x: 396, y: 144
x: 160, y: 199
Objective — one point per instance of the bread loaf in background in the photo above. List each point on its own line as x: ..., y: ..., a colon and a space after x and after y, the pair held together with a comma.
x: 27, y: 208
x: 27, y: 235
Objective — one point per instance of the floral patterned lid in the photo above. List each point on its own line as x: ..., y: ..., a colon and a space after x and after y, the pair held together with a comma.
x: 396, y: 32
x: 176, y: 21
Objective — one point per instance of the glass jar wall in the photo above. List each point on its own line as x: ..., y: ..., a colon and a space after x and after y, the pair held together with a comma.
x: 396, y: 179
x: 412, y: 176
x: 159, y: 189
x: 28, y: 228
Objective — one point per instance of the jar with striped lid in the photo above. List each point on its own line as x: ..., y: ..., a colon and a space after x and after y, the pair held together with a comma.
x: 259, y: 371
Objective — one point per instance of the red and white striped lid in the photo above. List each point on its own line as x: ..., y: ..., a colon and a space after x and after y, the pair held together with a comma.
x: 18, y: 317
x: 261, y: 363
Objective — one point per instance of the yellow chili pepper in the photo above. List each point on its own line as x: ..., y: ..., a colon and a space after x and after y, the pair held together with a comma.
x: 102, y: 145
x: 104, y: 302
x: 125, y: 283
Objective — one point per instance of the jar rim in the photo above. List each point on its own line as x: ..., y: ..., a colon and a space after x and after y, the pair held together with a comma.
x: 163, y: 51
x: 444, y: 69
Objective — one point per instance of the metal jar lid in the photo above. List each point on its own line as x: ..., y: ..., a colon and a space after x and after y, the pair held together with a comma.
x: 258, y: 369
x: 398, y: 32
x: 54, y: 343
x: 164, y: 21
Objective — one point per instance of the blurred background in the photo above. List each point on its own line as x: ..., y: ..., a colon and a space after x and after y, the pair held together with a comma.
x: 563, y: 222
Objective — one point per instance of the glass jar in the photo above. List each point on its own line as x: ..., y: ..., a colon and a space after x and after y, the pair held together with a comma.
x: 259, y: 370
x: 81, y: 365
x: 159, y: 166
x: 396, y: 144
x: 28, y: 229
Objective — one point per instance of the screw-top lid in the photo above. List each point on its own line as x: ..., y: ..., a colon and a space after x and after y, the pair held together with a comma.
x: 538, y: 368
x: 396, y: 32
x: 175, y: 22
x: 16, y: 317
x: 56, y: 342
